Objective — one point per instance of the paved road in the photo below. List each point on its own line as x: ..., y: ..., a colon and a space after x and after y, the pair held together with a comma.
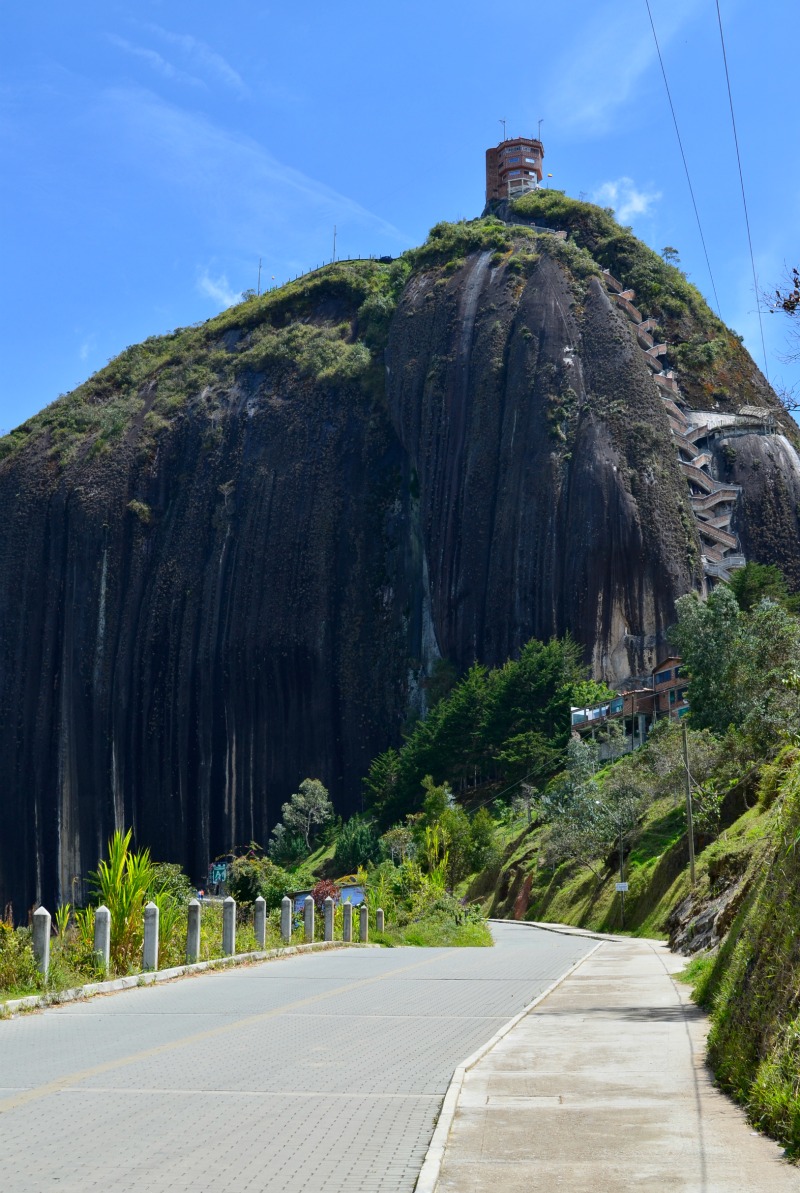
x: 317, y: 1073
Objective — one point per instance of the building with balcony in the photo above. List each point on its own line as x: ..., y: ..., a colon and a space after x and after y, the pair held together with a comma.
x: 513, y: 167
x: 622, y: 724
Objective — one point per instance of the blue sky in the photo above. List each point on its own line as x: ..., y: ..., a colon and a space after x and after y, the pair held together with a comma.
x: 152, y: 152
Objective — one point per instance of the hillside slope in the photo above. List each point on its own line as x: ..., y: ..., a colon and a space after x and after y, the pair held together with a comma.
x: 232, y: 558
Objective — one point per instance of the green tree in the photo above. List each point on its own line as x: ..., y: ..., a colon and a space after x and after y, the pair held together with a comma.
x: 483, y: 840
x: 455, y: 825
x: 742, y: 667
x: 398, y: 843
x: 356, y: 845
x: 757, y: 581
x: 307, y: 809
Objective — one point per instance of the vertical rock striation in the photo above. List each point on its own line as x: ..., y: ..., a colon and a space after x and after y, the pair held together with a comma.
x: 231, y: 559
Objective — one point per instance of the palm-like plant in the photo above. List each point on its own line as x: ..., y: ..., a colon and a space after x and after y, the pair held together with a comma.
x: 123, y: 882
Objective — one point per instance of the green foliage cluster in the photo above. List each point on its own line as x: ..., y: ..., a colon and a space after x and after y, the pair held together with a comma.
x: 452, y: 242
x: 252, y: 874
x: 18, y: 972
x: 756, y: 582
x: 500, y: 724
x: 661, y: 288
x: 751, y: 986
x: 743, y: 666
x: 357, y: 844
x: 714, y: 363
x: 330, y: 325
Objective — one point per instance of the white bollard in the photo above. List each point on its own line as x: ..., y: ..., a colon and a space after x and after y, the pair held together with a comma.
x: 102, y: 937
x: 194, y: 912
x: 308, y: 916
x: 260, y: 922
x: 347, y: 923
x: 379, y: 920
x: 41, y: 939
x: 229, y: 926
x: 329, y: 918
x: 150, y: 948
x: 286, y: 919
x: 363, y: 923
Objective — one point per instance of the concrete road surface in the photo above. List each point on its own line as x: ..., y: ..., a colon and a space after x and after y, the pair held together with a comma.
x: 316, y: 1073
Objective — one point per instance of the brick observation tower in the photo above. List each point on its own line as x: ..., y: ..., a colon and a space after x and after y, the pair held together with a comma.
x: 513, y: 167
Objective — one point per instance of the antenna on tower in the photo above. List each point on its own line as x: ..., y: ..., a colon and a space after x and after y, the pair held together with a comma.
x: 504, y: 127
x: 259, y: 276
x: 539, y: 134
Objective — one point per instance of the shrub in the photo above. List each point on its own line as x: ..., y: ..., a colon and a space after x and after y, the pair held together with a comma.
x: 357, y: 845
x: 17, y: 963
x: 323, y: 890
x: 251, y: 876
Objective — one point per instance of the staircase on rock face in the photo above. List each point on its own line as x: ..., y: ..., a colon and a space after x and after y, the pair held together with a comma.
x: 713, y: 502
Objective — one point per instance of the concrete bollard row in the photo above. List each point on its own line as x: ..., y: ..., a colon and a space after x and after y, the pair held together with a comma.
x: 102, y: 929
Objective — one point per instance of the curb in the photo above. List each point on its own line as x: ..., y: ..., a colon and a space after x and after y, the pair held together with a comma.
x: 432, y: 1165
x: 40, y: 1001
x: 567, y: 930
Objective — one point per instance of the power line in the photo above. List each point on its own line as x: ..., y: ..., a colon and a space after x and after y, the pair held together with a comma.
x: 683, y: 155
x: 741, y: 181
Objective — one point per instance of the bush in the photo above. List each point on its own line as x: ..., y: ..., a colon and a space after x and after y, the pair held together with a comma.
x: 357, y: 845
x: 252, y: 875
x: 18, y: 970
x: 323, y: 890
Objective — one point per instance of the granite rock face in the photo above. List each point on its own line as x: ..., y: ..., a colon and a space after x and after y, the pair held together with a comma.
x: 202, y: 609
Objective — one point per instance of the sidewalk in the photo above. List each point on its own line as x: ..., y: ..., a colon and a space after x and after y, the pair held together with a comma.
x: 602, y: 1087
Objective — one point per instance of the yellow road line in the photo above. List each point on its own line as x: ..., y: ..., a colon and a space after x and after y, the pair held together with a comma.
x: 70, y: 1079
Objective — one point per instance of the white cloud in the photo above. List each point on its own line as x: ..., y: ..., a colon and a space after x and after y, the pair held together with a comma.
x: 202, y: 56
x: 599, y: 72
x: 626, y: 198
x: 231, y: 178
x: 87, y: 347
x: 154, y: 60
x: 218, y: 289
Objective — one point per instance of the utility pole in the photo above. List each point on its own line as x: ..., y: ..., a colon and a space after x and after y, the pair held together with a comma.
x: 689, y: 820
x: 539, y: 134
x: 334, y: 242
x: 504, y: 128
x: 258, y: 291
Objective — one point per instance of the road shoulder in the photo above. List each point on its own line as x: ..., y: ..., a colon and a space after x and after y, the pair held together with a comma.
x: 603, y: 1085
